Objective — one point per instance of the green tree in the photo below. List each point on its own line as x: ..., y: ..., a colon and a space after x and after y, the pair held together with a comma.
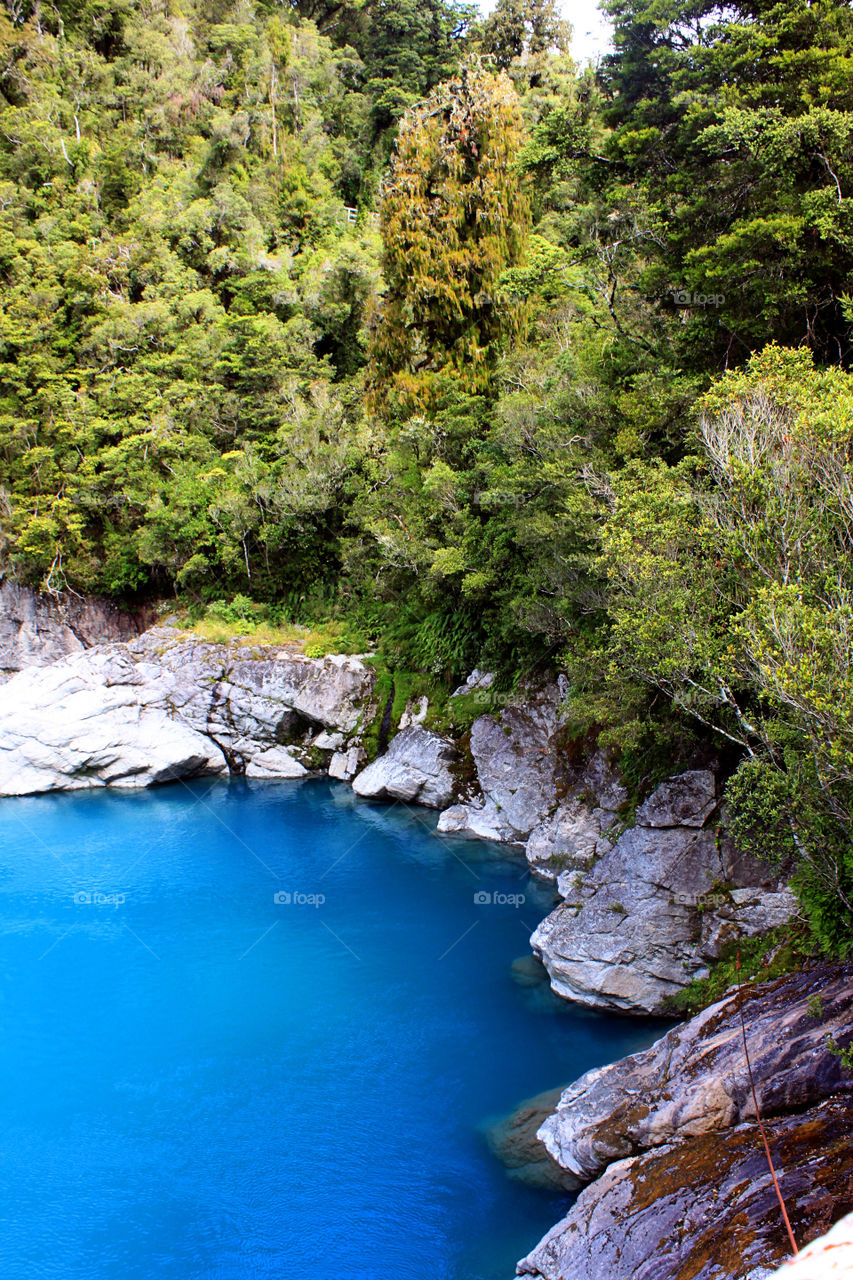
x: 454, y: 216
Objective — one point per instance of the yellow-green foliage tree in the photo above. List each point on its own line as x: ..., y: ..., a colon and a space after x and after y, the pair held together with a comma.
x: 454, y: 216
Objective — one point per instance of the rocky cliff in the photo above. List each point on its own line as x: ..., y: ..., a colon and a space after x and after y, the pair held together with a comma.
x: 37, y: 629
x: 682, y: 1189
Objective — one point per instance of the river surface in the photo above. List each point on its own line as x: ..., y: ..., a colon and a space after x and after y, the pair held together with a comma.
x: 207, y: 1072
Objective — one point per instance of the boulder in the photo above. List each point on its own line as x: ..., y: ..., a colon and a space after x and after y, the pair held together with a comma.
x: 694, y: 1079
x: 706, y: 1209
x: 481, y: 821
x: 168, y: 705
x: 687, y: 800
x: 653, y: 911
x: 87, y: 721
x: 520, y: 769
x: 416, y: 768
x: 344, y: 765
x: 683, y: 1188
x: 275, y: 762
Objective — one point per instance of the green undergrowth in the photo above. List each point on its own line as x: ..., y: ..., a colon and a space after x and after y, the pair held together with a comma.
x: 782, y: 950
x: 248, y: 621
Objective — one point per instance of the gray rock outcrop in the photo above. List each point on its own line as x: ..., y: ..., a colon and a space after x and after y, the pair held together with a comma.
x: 687, y: 800
x: 656, y: 908
x: 37, y: 629
x: 416, y: 768
x: 683, y: 1188
x: 167, y: 705
x: 694, y: 1079
x: 519, y: 771
x: 571, y: 839
x: 706, y: 1209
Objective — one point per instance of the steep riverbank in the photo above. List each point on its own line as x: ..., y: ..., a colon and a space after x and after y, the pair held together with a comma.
x: 668, y: 1141
x: 646, y: 901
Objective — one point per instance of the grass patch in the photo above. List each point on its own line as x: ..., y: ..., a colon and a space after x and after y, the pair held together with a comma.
x: 247, y: 622
x: 782, y: 950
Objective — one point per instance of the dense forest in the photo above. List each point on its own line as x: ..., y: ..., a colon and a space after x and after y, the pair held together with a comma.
x: 390, y: 314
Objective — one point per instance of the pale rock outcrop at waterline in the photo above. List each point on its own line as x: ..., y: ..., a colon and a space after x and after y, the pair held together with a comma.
x: 416, y: 768
x: 93, y: 719
x: 166, y: 706
x: 683, y: 1188
x: 656, y: 908
x: 519, y: 771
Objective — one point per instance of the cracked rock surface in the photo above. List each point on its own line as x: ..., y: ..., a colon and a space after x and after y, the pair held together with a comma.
x: 167, y: 706
x: 657, y: 906
x: 683, y: 1189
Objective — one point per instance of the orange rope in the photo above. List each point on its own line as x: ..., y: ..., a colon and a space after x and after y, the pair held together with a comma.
x: 779, y: 1195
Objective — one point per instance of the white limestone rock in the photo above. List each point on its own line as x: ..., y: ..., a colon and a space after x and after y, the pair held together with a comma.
x: 651, y: 914
x: 571, y: 838
x: 83, y: 723
x: 415, y: 768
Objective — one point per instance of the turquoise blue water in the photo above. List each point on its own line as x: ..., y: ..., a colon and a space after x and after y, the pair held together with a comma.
x: 198, y: 1080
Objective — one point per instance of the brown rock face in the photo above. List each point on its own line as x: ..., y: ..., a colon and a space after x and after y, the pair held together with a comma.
x: 694, y: 1080
x: 36, y: 629
x: 706, y: 1209
x: 694, y: 1199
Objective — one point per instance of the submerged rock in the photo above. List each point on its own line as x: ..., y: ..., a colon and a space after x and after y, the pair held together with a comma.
x: 416, y: 768
x: 513, y: 1140
x: 529, y: 971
